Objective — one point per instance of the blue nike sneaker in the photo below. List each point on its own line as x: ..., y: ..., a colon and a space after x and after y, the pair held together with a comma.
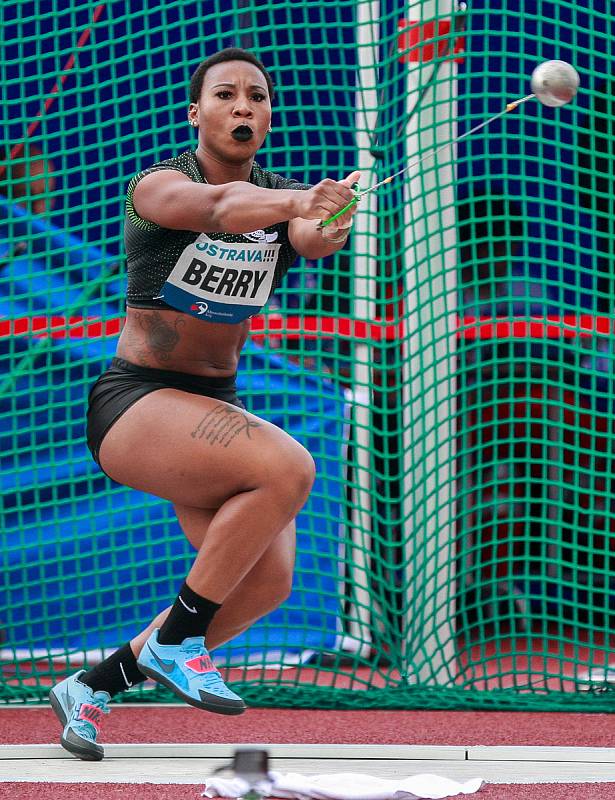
x: 80, y: 711
x: 187, y: 670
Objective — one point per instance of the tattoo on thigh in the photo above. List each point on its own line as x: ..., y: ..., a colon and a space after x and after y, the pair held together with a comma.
x: 224, y: 424
x: 162, y: 336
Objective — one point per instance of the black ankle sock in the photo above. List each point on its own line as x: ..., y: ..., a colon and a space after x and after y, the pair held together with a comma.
x: 190, y: 615
x: 115, y: 674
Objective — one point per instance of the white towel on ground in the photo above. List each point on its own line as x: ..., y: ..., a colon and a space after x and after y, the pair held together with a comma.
x: 345, y: 786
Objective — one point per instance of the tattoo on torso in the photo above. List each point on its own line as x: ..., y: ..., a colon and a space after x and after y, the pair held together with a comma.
x: 162, y: 336
x: 224, y: 424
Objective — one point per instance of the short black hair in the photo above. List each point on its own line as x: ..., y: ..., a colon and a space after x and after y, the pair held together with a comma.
x: 228, y: 54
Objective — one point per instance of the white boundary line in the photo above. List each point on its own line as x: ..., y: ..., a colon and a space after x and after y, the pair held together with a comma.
x: 184, y: 764
x: 194, y: 750
x: 397, y: 752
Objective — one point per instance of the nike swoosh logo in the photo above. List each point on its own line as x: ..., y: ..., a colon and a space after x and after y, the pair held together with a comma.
x: 191, y: 610
x: 126, y: 681
x: 165, y: 666
x: 69, y: 701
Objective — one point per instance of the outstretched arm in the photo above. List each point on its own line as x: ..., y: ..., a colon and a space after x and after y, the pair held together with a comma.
x: 172, y: 200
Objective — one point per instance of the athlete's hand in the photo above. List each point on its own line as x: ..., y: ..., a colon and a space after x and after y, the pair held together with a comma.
x: 327, y: 198
x: 345, y: 221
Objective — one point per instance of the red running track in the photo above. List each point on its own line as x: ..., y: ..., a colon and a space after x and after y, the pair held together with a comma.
x: 151, y: 724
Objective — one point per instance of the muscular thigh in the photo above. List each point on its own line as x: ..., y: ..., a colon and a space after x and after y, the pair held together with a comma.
x: 192, y: 450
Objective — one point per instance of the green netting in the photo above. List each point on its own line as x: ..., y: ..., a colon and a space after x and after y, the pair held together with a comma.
x: 457, y: 548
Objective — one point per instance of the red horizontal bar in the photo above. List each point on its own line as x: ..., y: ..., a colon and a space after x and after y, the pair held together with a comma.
x: 550, y: 327
x: 60, y: 327
x: 326, y: 327
x: 262, y: 326
x: 423, y: 41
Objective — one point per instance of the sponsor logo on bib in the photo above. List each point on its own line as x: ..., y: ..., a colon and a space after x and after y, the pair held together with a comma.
x: 261, y: 236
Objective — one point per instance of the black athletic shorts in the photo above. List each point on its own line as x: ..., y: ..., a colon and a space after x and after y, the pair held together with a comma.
x: 125, y: 383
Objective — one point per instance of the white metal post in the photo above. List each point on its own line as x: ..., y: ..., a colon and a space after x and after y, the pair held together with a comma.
x: 364, y: 277
x: 429, y: 366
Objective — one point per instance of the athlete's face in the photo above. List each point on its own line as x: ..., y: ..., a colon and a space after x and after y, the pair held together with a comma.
x: 234, y: 110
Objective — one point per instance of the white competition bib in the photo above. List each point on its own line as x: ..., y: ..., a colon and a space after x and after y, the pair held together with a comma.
x: 220, y: 281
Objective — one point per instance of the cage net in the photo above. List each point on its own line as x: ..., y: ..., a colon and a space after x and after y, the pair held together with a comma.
x: 449, y: 369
